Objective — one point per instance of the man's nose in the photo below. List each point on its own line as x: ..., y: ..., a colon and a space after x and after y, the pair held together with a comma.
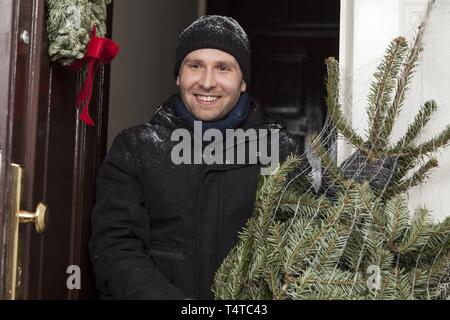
x: 208, y: 80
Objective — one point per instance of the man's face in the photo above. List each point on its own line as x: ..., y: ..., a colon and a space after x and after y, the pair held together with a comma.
x: 211, y: 83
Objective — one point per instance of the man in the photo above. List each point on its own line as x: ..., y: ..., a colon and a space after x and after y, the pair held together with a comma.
x: 161, y: 228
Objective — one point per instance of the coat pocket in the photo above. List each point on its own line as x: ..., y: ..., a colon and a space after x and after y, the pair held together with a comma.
x: 170, y: 261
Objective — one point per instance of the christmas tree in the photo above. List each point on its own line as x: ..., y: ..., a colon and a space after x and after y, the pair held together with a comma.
x: 356, y: 239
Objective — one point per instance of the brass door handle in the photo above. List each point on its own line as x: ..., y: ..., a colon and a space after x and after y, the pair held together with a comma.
x: 39, y: 217
x: 15, y: 218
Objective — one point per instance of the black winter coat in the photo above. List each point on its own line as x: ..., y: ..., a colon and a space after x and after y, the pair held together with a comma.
x: 159, y: 230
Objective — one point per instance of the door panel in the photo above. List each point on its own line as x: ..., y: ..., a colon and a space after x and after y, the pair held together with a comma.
x: 60, y: 154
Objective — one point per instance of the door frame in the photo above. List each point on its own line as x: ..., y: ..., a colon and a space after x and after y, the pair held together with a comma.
x: 6, y: 36
x: 19, y: 88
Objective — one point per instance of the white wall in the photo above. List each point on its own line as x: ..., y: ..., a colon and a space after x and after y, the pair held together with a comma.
x: 141, y: 75
x: 367, y: 26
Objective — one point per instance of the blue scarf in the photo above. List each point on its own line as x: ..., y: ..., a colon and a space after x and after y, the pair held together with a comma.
x: 232, y: 121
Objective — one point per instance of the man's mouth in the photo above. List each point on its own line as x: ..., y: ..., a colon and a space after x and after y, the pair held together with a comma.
x: 206, y: 99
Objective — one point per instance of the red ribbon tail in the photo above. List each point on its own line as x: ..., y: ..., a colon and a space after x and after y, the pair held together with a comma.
x: 85, y: 117
x: 81, y: 97
x: 85, y: 94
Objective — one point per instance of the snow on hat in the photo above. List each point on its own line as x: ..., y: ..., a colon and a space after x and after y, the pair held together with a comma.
x: 215, y: 32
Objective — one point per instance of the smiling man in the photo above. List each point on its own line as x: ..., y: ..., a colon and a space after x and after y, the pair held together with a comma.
x: 161, y: 229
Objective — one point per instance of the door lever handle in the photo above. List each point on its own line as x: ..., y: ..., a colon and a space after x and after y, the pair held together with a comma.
x: 39, y: 217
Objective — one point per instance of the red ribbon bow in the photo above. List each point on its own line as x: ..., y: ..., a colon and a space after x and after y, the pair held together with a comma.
x: 98, y: 50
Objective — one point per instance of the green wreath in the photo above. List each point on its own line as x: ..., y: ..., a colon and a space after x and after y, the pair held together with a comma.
x: 69, y: 27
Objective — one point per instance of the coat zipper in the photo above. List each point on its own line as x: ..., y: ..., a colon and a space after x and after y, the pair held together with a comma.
x: 220, y: 219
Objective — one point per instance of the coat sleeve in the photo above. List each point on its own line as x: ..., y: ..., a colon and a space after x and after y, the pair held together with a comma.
x: 120, y: 232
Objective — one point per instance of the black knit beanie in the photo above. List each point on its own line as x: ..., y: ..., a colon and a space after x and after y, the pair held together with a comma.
x: 215, y: 32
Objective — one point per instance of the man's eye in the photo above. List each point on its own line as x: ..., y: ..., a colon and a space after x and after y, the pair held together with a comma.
x: 194, y: 66
x: 223, y: 68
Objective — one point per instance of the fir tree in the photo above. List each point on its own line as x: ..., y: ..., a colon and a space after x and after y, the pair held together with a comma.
x: 360, y: 240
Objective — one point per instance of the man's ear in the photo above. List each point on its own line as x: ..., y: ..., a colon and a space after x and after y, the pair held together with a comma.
x: 178, y: 80
x: 243, y: 86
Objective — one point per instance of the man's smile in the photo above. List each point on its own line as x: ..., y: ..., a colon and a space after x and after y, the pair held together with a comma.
x: 206, y: 99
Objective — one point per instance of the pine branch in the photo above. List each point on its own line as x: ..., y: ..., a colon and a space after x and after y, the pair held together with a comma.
x: 402, y: 166
x: 418, y: 277
x: 294, y: 202
x: 388, y: 290
x: 397, y: 215
x: 334, y: 108
x: 330, y: 249
x: 439, y: 241
x: 382, y: 87
x: 339, y: 285
x: 406, y: 74
x: 277, y: 243
x: 267, y: 203
x: 416, y: 127
x: 304, y: 242
x: 435, y: 143
x: 418, y: 177
x: 418, y: 233
x: 371, y: 204
x: 403, y: 284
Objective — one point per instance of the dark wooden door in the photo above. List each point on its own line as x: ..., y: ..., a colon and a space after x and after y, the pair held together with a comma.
x: 41, y: 131
x: 290, y: 41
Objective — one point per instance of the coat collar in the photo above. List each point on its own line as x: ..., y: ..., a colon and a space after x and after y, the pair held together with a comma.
x: 166, y: 116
